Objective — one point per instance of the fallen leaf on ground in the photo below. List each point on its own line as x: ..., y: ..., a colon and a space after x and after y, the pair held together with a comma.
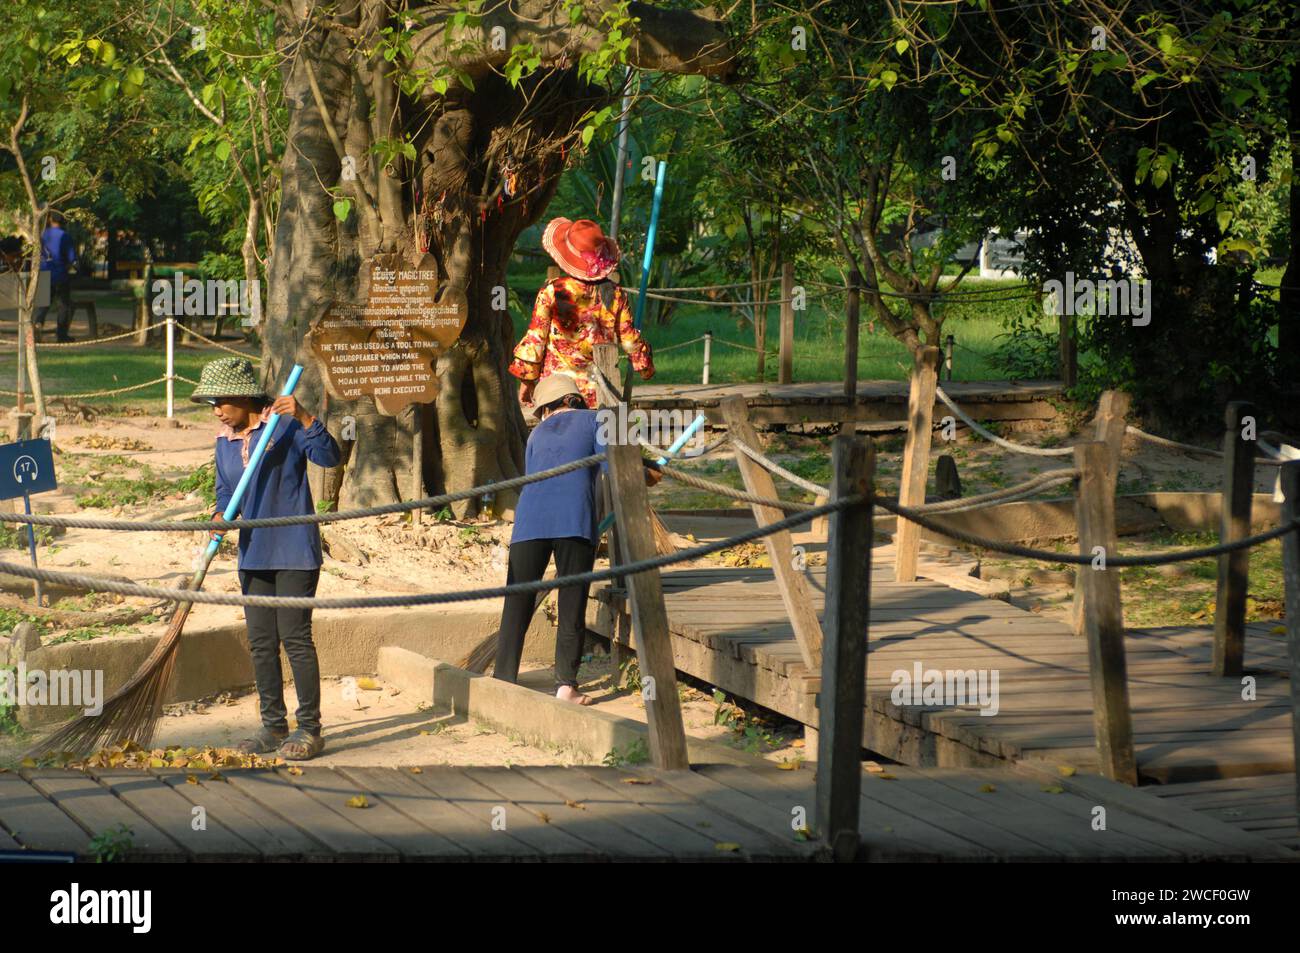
x: 357, y: 801
x: 1053, y: 789
x: 191, y: 779
x: 578, y: 805
x: 367, y: 684
x: 987, y: 789
x: 636, y: 781
x: 727, y: 846
x: 1066, y: 771
x: 295, y: 771
x: 886, y: 776
x: 417, y: 770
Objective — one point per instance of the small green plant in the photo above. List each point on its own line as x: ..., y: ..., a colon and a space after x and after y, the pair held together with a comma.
x: 635, y: 753
x: 14, y: 536
x: 109, y: 846
x: 443, y: 515
x: 202, y: 481
x: 8, y: 711
x: 87, y: 632
x: 630, y: 675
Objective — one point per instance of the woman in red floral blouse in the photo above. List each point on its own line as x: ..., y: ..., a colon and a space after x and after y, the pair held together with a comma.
x: 571, y: 317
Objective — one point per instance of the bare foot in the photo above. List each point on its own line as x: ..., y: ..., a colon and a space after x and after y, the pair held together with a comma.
x: 568, y: 693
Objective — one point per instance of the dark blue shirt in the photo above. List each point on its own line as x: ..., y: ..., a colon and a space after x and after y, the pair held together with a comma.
x: 57, y: 253
x: 278, y: 488
x: 565, y: 505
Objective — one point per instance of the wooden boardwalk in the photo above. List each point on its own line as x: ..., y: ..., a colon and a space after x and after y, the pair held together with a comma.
x: 713, y: 813
x: 877, y: 401
x: 729, y: 628
x: 1263, y: 805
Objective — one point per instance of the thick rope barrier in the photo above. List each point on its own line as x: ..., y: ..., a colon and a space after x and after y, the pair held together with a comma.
x: 1008, y: 494
x: 95, y: 393
x: 1268, y: 461
x: 779, y: 470
x: 190, y: 526
x: 1043, y: 555
x: 218, y: 344
x: 994, y: 438
x: 104, y: 584
x: 112, y: 337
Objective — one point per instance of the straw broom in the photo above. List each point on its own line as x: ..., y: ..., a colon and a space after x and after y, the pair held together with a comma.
x: 133, y: 711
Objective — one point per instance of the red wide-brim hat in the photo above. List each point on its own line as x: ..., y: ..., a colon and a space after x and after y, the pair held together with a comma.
x: 580, y: 248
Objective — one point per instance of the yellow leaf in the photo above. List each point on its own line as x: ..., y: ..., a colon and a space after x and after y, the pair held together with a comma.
x: 797, y: 743
x: 1066, y: 771
x: 636, y: 781
x: 191, y: 779
x: 357, y: 801
x: 1278, y: 630
x: 987, y: 789
x: 1053, y: 789
x: 295, y: 771
x: 28, y: 763
x: 576, y: 805
x: 157, y: 762
x: 789, y: 765
x: 367, y: 684
x: 545, y: 818
x: 886, y: 776
x: 180, y: 761
x: 728, y: 846
x: 417, y: 770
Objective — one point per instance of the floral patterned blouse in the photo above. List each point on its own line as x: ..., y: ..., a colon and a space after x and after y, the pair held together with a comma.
x: 569, y: 319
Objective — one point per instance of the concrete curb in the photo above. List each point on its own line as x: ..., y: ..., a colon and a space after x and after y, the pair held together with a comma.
x: 541, y: 720
x: 216, y: 659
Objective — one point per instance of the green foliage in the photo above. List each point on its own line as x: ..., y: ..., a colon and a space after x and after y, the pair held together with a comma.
x: 635, y: 752
x: 203, y: 481
x: 110, y: 845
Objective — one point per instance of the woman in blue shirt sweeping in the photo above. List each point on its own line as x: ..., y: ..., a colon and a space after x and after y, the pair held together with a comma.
x: 556, y: 516
x: 273, y: 561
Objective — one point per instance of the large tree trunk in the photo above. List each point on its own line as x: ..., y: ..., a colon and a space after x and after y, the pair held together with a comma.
x: 452, y: 202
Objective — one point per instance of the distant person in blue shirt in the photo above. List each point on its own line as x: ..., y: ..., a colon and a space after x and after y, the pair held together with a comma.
x: 59, y: 258
x: 273, y: 561
x: 556, y: 516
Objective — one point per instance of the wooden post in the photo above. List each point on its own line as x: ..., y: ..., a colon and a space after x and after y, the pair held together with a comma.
x: 649, y: 617
x: 1291, y: 578
x: 1108, y: 428
x: 916, y: 459
x: 1069, y: 350
x: 785, y: 373
x: 1234, y: 524
x: 708, y: 355
x: 1103, y: 621
x: 844, y: 660
x: 605, y: 357
x: 780, y: 550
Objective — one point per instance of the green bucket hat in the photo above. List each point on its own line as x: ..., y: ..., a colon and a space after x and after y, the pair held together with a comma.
x: 227, y: 377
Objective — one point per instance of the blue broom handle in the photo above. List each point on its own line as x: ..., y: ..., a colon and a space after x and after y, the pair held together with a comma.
x: 677, y: 444
x: 650, y: 243
x: 264, y: 441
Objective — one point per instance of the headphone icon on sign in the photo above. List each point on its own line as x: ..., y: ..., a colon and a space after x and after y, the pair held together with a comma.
x: 25, y: 469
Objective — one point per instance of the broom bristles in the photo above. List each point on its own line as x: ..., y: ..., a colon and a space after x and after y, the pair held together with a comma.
x: 133, y: 712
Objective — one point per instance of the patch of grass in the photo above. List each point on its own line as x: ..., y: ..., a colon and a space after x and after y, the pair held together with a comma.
x: 202, y: 481
x: 87, y: 632
x: 635, y: 752
x: 117, y: 490
x: 14, y: 536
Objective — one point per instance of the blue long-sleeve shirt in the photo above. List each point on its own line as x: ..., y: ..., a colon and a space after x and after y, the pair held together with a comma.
x: 279, y: 488
x: 563, y: 506
x: 58, y: 253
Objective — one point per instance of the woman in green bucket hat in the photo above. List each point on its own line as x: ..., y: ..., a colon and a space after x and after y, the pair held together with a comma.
x: 273, y: 561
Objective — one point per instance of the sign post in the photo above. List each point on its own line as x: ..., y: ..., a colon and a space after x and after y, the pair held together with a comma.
x: 27, y: 467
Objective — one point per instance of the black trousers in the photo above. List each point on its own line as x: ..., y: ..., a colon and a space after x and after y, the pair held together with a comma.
x: 268, y: 629
x: 528, y: 561
x: 61, y: 295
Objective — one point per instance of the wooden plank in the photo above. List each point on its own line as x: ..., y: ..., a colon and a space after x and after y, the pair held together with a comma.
x: 619, y: 808
x: 97, y: 810
x: 605, y: 357
x: 500, y: 816
x: 473, y: 835
x: 381, y: 820
x: 649, y: 617
x: 1103, y: 619
x: 1223, y: 838
x: 670, y: 804
x: 1234, y: 568
x: 1109, y: 425
x: 295, y: 807
x: 273, y: 837
x: 35, y: 822
x: 790, y: 583
x: 844, y: 658
x: 1290, y: 479
x: 916, y: 458
x: 591, y: 825
x: 175, y: 816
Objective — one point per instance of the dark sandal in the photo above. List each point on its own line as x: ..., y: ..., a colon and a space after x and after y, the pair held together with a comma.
x: 301, y: 745
x: 264, y: 742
